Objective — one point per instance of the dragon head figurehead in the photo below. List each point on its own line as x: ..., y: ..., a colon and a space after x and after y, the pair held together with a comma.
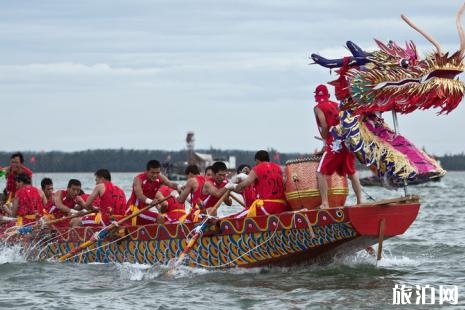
x: 395, y: 78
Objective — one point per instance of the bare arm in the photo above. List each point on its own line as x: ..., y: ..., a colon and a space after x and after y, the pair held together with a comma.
x: 58, y: 200
x: 138, y: 189
x: 323, y: 125
x: 98, y: 191
x: 210, y: 189
x: 190, y: 187
x: 167, y: 182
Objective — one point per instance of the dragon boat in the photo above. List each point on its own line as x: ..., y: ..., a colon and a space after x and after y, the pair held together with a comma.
x: 285, y: 239
x: 391, y: 78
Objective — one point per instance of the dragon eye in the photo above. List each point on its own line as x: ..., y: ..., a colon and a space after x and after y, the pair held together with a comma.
x: 405, y: 63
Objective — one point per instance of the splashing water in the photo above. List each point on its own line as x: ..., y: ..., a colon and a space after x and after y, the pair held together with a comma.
x: 11, y: 254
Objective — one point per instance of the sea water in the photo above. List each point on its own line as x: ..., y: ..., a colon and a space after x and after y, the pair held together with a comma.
x: 431, y: 253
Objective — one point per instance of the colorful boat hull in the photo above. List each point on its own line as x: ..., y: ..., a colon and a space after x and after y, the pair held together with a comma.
x: 285, y: 239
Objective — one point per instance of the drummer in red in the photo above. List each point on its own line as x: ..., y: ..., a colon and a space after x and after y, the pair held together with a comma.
x: 267, y: 178
x: 336, y: 156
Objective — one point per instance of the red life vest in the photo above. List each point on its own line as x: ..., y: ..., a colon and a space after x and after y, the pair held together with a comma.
x: 11, y: 179
x: 113, y: 201
x: 29, y: 201
x: 149, y: 188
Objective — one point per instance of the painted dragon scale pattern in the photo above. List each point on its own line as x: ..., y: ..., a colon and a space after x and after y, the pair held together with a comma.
x: 233, y: 243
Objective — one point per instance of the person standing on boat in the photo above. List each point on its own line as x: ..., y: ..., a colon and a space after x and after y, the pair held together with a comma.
x: 145, y: 190
x: 16, y: 167
x: 336, y: 156
x: 27, y: 204
x: 267, y: 178
x: 112, y: 200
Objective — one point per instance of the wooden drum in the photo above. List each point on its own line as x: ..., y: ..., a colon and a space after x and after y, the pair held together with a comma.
x: 301, y: 185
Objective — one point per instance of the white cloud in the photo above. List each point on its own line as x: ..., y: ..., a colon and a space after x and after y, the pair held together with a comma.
x: 220, y: 68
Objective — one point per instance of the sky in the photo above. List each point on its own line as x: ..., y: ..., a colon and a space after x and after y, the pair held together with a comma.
x: 140, y: 74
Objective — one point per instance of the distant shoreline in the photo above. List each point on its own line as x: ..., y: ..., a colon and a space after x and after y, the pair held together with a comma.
x: 130, y: 160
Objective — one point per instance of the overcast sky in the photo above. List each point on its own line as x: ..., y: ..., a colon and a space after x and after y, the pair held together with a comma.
x: 77, y: 75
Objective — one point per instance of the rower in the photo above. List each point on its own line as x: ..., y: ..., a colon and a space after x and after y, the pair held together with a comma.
x: 27, y: 204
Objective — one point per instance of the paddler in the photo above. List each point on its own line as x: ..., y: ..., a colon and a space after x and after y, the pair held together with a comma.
x: 145, y: 189
x: 267, y: 178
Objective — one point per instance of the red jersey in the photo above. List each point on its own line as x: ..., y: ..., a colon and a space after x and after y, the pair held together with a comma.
x: 113, y: 201
x: 269, y: 183
x: 149, y: 188
x: 29, y: 201
x: 269, y: 186
x: 11, y: 179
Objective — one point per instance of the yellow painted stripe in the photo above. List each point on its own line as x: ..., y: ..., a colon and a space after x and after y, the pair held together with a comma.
x: 316, y: 193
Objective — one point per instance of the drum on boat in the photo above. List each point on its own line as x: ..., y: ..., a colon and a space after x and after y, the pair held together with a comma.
x: 301, y: 185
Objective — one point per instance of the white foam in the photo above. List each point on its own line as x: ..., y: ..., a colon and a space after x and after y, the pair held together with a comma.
x: 387, y: 259
x: 133, y: 272
x: 11, y: 254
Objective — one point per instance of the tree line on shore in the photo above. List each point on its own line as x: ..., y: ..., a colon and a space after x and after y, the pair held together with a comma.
x: 128, y: 160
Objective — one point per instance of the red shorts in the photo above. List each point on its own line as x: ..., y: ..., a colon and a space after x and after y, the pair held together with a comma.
x: 342, y: 162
